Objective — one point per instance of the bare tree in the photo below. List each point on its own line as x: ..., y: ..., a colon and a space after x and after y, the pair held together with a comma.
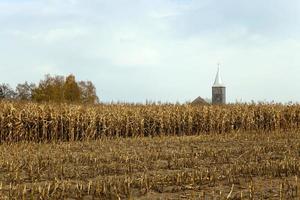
x: 24, y: 91
x: 88, y: 92
x: 6, y: 92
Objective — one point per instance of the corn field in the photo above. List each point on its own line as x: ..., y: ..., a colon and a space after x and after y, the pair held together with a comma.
x: 119, y: 157
x: 47, y: 122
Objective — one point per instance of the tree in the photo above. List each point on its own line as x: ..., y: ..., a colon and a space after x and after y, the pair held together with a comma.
x: 50, y: 89
x: 88, y: 92
x: 71, y: 89
x: 6, y: 92
x: 24, y: 91
x: 60, y: 89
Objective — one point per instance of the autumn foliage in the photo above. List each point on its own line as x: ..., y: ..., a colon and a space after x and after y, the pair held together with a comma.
x: 57, y: 89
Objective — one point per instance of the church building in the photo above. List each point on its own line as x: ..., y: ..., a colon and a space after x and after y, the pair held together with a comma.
x: 218, y: 90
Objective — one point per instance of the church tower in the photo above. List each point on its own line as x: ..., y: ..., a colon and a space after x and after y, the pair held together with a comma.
x: 218, y: 90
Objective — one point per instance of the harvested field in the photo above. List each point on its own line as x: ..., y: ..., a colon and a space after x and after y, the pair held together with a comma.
x: 244, y: 165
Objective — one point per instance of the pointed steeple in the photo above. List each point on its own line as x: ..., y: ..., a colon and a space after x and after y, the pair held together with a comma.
x: 218, y: 80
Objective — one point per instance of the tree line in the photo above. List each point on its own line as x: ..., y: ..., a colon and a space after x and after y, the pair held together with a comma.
x: 58, y: 89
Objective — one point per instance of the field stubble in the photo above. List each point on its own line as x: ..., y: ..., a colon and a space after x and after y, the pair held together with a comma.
x: 233, y: 166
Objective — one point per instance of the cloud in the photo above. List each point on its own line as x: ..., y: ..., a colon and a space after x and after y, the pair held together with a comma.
x: 161, y: 50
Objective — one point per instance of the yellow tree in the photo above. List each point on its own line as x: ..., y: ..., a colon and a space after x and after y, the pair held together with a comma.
x: 49, y: 89
x: 71, y: 90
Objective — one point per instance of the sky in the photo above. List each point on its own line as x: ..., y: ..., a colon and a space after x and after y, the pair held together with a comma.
x: 158, y: 50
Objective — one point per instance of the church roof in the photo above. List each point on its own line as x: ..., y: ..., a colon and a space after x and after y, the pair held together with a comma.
x: 218, y: 81
x: 199, y: 101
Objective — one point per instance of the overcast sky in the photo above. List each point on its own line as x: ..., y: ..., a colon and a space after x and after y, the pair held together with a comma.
x: 165, y: 50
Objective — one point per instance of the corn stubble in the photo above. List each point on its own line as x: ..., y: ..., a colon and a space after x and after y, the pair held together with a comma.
x: 223, y: 152
x: 226, y: 166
